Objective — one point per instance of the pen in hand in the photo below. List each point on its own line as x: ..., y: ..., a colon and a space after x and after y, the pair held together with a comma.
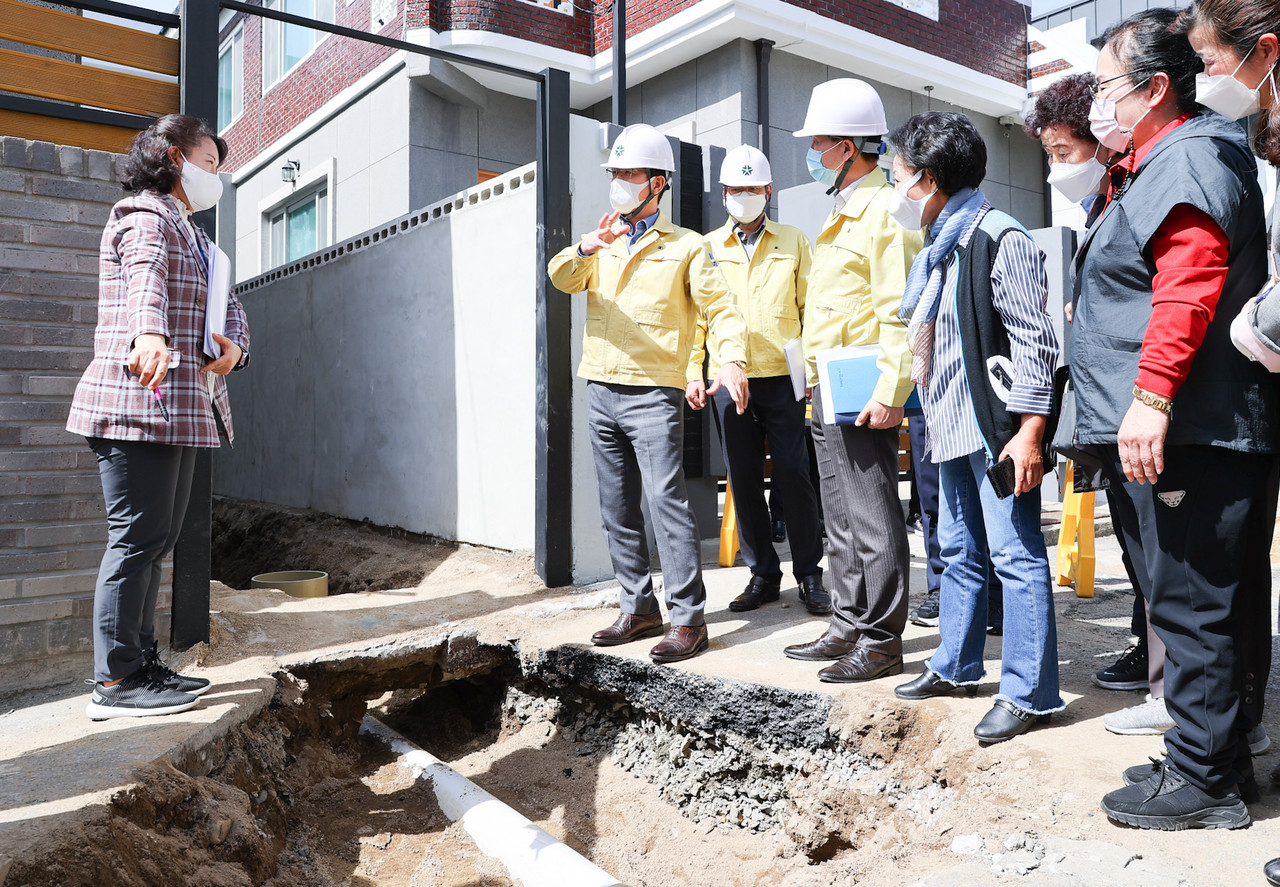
x: 164, y: 411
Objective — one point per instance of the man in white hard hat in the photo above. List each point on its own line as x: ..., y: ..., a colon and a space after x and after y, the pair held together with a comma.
x: 765, y: 264
x: 647, y: 281
x: 860, y: 265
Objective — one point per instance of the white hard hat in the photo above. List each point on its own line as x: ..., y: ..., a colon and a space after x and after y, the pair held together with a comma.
x: 844, y: 107
x: 745, y: 166
x: 640, y: 146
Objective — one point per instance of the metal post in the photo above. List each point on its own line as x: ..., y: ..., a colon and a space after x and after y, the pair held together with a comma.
x: 764, y: 50
x: 620, y: 62
x: 198, y: 86
x: 553, y: 496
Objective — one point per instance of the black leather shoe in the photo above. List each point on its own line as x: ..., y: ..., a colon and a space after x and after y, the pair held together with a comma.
x: 759, y: 591
x: 929, y: 685
x: 863, y: 664
x: 826, y: 647
x: 814, y: 596
x: 1005, y: 721
x: 1271, y: 871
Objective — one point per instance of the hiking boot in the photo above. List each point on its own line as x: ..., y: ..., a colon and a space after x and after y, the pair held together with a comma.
x: 1129, y: 672
x: 138, y: 696
x: 165, y: 675
x: 927, y: 613
x: 1149, y: 718
x: 1166, y: 801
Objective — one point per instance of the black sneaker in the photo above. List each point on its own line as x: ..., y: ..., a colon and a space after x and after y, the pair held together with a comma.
x: 165, y: 675
x: 779, y: 531
x: 1129, y: 672
x: 138, y: 696
x: 1167, y: 802
x: 927, y: 613
x: 995, y: 619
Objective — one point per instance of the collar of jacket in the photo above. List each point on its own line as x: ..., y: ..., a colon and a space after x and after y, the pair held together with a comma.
x: 729, y: 235
x: 862, y: 195
x: 662, y: 225
x: 169, y: 205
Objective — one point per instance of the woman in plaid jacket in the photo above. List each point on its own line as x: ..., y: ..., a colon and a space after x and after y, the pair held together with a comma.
x: 151, y: 396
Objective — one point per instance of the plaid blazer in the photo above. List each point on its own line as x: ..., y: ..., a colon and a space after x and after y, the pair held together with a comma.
x: 152, y: 278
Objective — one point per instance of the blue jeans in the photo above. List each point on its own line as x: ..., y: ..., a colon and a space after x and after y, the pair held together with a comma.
x: 976, y: 529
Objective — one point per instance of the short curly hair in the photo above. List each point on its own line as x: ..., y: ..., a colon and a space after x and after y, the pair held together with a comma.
x: 148, y: 166
x: 1065, y: 104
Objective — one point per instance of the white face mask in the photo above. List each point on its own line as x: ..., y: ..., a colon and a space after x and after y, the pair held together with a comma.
x: 1104, y: 126
x: 203, y: 188
x: 1227, y: 95
x: 624, y: 196
x: 745, y: 206
x: 909, y: 211
x: 1076, y: 181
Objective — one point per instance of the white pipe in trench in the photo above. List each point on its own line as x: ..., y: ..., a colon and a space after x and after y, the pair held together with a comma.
x: 529, y: 853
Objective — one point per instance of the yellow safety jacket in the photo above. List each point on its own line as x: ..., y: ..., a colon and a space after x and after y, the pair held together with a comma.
x: 859, y: 272
x: 769, y: 289
x: 643, y: 306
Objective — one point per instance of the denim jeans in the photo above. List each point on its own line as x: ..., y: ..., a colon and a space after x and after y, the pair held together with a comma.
x: 976, y: 529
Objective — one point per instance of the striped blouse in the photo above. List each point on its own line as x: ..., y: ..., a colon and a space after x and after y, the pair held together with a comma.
x: 1020, y: 288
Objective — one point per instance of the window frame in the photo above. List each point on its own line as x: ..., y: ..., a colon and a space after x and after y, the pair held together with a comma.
x: 235, y: 45
x: 271, y: 26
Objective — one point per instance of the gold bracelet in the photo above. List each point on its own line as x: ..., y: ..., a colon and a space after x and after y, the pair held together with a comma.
x: 1163, y: 404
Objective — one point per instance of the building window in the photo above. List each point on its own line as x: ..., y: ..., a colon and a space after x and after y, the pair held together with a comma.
x: 300, y: 227
x: 565, y: 6
x: 231, y: 80
x: 283, y: 46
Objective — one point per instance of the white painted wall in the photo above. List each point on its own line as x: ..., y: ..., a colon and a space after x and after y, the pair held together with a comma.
x: 395, y: 382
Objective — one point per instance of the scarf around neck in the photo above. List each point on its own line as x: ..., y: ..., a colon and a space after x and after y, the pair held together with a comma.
x: 923, y: 295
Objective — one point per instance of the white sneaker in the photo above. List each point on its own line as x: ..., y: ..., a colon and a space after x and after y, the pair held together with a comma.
x: 1149, y: 718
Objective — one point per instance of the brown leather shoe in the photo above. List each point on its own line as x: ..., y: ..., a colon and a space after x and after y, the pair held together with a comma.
x: 681, y: 642
x: 629, y: 628
x: 862, y: 664
x: 826, y: 647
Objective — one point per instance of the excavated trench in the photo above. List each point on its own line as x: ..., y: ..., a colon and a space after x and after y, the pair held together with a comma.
x: 576, y: 740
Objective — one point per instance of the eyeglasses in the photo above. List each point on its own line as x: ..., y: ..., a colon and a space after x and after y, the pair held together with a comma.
x: 1096, y: 89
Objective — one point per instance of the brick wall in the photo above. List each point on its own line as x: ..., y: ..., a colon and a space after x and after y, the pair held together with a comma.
x: 54, y: 201
x: 335, y: 64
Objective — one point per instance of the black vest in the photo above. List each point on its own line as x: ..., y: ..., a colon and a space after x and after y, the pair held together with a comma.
x: 984, y: 339
x: 1226, y: 400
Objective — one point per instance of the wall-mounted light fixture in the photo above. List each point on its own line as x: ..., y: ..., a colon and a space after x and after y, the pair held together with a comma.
x: 289, y: 172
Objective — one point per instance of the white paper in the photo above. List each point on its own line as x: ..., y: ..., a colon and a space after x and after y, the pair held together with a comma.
x: 794, y: 353
x: 824, y: 358
x: 215, y: 309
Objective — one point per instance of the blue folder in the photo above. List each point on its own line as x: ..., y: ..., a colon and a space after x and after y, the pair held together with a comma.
x: 852, y: 382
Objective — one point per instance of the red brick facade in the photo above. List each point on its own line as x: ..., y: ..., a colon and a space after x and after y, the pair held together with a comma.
x: 335, y: 64
x: 985, y: 35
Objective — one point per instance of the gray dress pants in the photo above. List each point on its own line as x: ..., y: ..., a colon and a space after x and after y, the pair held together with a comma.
x: 637, y: 440
x: 146, y: 487
x: 868, y: 558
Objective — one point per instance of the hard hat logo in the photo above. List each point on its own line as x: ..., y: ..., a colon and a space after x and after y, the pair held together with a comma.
x: 619, y: 149
x: 745, y: 167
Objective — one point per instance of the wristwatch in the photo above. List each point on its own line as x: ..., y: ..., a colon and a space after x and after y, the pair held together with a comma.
x: 1163, y: 404
x: 243, y: 361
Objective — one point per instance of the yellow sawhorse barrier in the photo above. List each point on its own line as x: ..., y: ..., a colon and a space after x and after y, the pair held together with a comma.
x: 728, y: 529
x: 1075, y: 538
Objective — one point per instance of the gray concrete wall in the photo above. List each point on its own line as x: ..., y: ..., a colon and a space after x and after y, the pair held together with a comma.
x: 392, y: 148
x: 392, y: 376
x: 54, y: 201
